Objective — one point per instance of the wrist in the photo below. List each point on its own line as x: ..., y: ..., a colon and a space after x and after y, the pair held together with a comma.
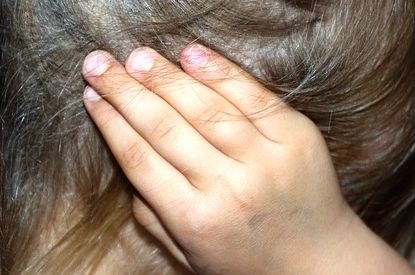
x: 352, y: 248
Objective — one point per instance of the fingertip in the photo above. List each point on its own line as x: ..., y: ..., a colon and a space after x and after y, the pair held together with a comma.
x: 96, y: 63
x: 140, y: 60
x: 90, y: 95
x: 195, y: 55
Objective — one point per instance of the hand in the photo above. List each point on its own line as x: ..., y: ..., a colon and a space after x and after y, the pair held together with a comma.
x: 232, y: 179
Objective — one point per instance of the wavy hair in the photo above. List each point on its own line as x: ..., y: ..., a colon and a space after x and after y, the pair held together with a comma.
x: 65, y: 205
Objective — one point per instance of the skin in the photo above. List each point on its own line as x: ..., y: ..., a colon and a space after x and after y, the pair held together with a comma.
x: 231, y: 179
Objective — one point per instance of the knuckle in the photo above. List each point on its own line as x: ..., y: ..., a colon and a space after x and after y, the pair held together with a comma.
x: 139, y: 210
x: 144, y: 218
x: 163, y: 129
x: 133, y: 156
x: 241, y: 200
x: 128, y: 99
x: 225, y: 132
x: 171, y: 80
x: 132, y: 91
x: 211, y: 114
x: 311, y: 133
x: 218, y: 70
x: 241, y: 194
x: 200, y: 224
x: 225, y: 70
x: 307, y: 141
x: 228, y: 131
x: 259, y: 100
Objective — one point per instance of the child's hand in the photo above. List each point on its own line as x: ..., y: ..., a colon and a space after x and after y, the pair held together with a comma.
x: 227, y: 188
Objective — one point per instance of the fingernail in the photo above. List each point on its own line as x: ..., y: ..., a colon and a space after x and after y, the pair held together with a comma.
x: 91, y: 95
x: 141, y: 60
x: 96, y: 63
x: 197, y: 55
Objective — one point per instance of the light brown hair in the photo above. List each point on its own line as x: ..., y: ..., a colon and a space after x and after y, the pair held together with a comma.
x: 65, y: 203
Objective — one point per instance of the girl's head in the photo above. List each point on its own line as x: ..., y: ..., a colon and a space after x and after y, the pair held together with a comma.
x: 65, y: 204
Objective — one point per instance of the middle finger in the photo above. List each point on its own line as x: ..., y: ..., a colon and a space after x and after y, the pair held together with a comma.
x: 217, y: 119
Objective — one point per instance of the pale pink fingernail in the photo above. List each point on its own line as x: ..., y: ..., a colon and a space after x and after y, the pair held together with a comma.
x: 91, y: 95
x: 197, y: 55
x: 96, y: 63
x: 141, y: 60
